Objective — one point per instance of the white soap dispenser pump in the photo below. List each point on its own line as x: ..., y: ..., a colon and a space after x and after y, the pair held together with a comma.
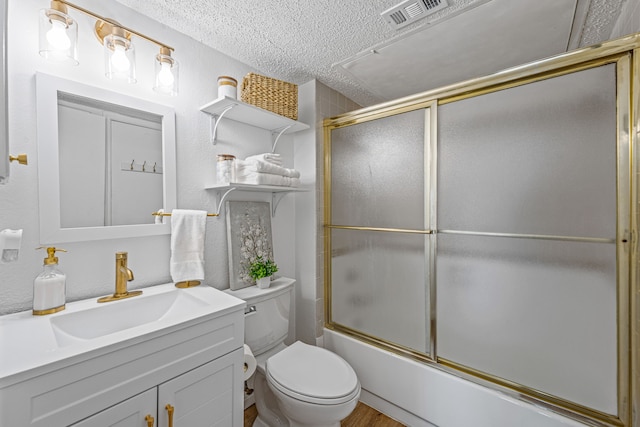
x: 49, y: 292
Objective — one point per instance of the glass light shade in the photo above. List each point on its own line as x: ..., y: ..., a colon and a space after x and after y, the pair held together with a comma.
x: 166, y: 70
x: 58, y: 36
x: 119, y: 58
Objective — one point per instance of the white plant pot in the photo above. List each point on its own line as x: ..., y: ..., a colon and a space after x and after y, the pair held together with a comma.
x: 264, y: 282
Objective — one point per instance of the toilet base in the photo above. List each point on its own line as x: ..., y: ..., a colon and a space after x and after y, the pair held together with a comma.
x: 269, y: 414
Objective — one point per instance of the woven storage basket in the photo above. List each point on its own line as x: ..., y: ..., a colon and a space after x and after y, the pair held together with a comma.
x: 270, y: 94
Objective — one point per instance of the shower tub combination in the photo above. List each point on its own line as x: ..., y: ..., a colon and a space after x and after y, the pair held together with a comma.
x: 479, y: 267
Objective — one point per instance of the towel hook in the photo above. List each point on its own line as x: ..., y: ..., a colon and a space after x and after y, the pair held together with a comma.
x: 132, y: 162
x: 143, y: 165
x: 154, y: 167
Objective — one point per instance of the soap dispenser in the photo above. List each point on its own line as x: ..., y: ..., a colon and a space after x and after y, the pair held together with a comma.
x: 49, y: 286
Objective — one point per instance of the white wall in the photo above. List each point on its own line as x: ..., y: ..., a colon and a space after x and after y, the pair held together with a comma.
x: 317, y: 102
x: 90, y: 266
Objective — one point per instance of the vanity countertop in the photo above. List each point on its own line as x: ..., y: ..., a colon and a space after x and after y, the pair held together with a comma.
x: 30, y: 345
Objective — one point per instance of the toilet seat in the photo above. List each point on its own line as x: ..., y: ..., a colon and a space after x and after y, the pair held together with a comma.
x: 312, y: 374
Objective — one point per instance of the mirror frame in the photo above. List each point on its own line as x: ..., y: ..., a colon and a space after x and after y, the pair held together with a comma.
x: 4, y: 120
x: 47, y: 88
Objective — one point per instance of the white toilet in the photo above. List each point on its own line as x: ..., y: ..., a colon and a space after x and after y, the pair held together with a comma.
x: 298, y: 385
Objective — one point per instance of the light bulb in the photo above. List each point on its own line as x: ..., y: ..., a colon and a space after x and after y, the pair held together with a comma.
x: 57, y: 36
x: 119, y: 59
x: 165, y: 76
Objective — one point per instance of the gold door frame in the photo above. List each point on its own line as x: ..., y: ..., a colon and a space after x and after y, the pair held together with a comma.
x: 625, y: 53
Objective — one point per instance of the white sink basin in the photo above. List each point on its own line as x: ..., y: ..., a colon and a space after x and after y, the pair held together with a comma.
x: 116, y: 316
x: 28, y: 342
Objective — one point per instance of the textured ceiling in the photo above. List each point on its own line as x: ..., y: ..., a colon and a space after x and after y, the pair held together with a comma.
x: 297, y: 40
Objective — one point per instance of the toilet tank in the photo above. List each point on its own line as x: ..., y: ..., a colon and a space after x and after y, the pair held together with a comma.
x: 266, y: 320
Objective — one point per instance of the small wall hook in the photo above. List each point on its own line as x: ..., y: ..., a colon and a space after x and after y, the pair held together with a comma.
x: 143, y: 166
x: 20, y: 158
x: 154, y: 167
x: 132, y: 162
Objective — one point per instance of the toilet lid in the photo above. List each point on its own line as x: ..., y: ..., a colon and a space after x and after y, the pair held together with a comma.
x: 312, y: 374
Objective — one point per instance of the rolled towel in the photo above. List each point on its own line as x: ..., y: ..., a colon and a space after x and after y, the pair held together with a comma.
x: 272, y: 158
x: 268, y: 179
x: 254, y: 165
x: 187, y: 244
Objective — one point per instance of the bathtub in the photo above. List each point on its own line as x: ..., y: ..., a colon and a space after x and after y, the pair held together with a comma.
x: 422, y: 396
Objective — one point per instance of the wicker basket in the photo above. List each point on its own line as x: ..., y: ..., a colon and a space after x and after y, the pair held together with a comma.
x: 271, y: 94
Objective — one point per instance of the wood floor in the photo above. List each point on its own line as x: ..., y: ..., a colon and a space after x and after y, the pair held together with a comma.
x: 362, y: 416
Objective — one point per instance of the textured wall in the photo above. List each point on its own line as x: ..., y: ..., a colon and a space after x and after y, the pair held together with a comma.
x: 629, y: 19
x: 90, y: 266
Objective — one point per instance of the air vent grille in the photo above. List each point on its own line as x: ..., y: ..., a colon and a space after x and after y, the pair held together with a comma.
x: 398, y: 17
x: 410, y: 11
x: 430, y: 4
x: 413, y: 10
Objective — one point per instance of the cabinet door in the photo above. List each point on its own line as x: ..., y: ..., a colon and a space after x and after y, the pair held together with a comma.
x: 130, y: 413
x: 211, y: 395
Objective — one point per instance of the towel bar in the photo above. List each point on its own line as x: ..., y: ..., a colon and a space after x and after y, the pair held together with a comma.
x: 169, y: 214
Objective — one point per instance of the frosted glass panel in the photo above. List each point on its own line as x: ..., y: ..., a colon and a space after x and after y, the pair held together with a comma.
x: 378, y: 172
x: 535, y: 159
x: 539, y: 313
x: 379, y: 285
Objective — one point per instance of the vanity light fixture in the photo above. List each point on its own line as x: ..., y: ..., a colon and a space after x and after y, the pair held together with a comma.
x: 119, y: 52
x: 58, y: 41
x: 166, y: 73
x: 58, y: 34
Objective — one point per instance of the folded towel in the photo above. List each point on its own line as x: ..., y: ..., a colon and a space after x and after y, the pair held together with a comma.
x: 187, y: 244
x: 268, y: 179
x: 272, y: 158
x: 255, y: 165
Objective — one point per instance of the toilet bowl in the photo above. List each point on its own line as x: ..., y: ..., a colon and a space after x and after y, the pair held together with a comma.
x: 312, y: 386
x: 297, y: 385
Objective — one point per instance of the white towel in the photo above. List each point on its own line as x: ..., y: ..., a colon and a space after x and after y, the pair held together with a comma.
x: 187, y: 244
x: 268, y: 179
x: 272, y: 158
x: 244, y: 167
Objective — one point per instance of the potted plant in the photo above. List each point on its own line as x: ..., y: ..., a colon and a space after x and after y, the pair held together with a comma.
x: 261, y: 271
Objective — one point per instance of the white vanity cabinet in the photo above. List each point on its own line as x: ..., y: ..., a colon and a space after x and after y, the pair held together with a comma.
x: 189, y: 358
x: 133, y: 412
x: 204, y: 396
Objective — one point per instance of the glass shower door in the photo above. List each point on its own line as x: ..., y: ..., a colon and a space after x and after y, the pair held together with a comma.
x: 378, y: 230
x: 526, y: 254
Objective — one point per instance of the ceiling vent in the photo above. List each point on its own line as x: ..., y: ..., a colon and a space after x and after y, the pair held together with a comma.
x: 409, y: 11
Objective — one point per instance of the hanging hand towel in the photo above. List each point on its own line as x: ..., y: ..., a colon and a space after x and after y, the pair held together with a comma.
x: 187, y: 244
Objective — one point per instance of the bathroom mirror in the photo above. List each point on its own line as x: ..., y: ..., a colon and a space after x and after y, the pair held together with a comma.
x: 4, y: 134
x: 106, y: 161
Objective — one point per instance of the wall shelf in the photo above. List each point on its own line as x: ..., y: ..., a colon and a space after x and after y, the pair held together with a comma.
x: 277, y: 192
x: 236, y: 110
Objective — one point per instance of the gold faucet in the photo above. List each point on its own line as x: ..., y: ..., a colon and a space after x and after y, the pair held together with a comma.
x: 123, y: 275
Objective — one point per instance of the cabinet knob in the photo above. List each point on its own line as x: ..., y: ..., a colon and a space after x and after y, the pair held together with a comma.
x: 170, y: 410
x: 149, y: 419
